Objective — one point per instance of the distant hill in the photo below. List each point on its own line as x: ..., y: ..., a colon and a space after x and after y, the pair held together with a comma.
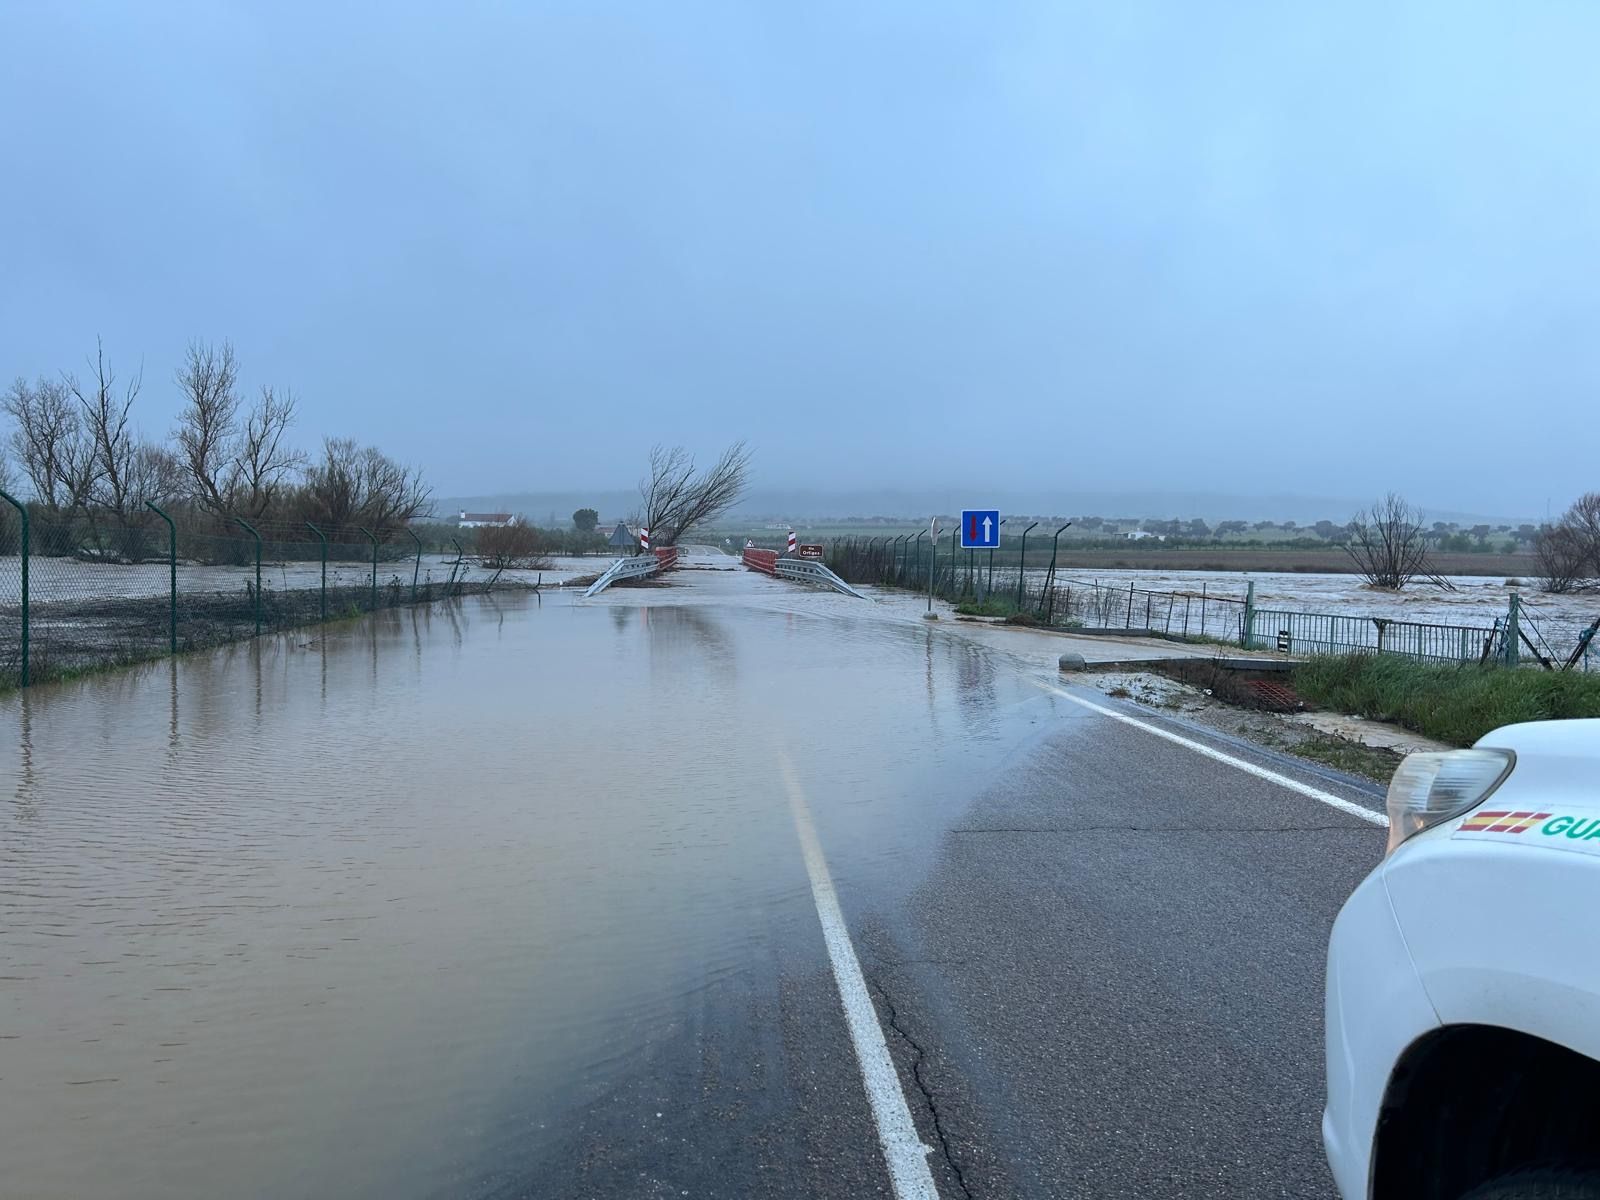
x: 815, y: 504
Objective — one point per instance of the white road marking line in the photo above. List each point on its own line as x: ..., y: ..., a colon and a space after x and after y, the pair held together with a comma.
x: 903, y: 1151
x: 1249, y: 768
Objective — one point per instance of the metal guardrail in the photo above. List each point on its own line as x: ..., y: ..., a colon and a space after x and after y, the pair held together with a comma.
x: 1326, y: 633
x: 805, y: 570
x: 625, y: 568
x: 797, y: 570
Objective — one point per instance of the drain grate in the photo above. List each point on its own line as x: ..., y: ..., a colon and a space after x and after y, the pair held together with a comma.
x: 1276, y: 697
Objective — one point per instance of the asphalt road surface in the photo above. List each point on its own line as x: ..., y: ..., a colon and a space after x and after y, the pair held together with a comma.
x: 721, y: 889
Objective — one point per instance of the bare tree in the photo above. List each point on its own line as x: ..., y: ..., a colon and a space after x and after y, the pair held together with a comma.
x: 677, y: 499
x: 513, y: 545
x: 234, y: 468
x: 330, y: 494
x: 1584, y: 518
x: 1568, y: 552
x: 107, y: 418
x: 1565, y: 560
x: 664, y: 487
x: 354, y: 485
x: 208, y: 423
x: 392, y: 492
x: 156, y: 474
x: 48, y: 441
x: 262, y: 464
x: 1387, y: 545
x: 118, y: 470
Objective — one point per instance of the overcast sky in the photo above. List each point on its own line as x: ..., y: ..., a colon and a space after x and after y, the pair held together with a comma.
x: 1248, y: 248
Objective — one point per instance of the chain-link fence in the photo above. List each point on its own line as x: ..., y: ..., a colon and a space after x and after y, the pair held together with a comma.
x: 1037, y: 595
x: 92, y: 588
x: 1040, y: 595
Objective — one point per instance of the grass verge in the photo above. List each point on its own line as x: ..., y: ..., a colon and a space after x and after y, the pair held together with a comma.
x: 1456, y: 704
x: 994, y: 606
x: 1353, y: 758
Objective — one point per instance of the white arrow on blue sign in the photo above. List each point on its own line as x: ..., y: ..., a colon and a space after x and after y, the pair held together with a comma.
x: 980, y: 528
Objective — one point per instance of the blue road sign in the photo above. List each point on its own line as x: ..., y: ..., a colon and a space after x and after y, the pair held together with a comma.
x: 980, y: 528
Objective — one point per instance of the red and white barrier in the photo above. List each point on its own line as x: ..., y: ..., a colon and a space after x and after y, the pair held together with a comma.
x: 644, y: 541
x: 791, y: 541
x: 765, y: 561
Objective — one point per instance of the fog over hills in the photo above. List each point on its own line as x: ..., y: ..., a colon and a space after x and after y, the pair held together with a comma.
x: 799, y: 505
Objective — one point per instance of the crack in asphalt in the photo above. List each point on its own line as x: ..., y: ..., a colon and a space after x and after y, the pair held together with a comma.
x: 918, y: 1055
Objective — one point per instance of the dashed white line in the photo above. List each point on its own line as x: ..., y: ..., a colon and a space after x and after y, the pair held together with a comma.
x: 903, y: 1151
x: 1249, y: 768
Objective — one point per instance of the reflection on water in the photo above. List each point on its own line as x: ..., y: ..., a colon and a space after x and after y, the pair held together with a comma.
x: 302, y: 915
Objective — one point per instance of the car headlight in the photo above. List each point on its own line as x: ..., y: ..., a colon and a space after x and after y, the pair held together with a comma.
x: 1429, y: 788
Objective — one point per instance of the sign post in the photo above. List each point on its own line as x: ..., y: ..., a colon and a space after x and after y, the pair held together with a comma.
x: 990, y: 586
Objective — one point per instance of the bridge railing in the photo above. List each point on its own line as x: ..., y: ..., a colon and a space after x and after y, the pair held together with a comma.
x: 806, y: 570
x: 637, y: 567
x: 765, y: 561
x: 798, y: 570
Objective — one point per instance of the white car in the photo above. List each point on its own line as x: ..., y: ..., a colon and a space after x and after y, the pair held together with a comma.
x: 1463, y: 1005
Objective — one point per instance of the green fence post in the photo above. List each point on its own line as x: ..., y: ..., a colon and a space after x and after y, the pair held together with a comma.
x: 22, y: 511
x: 374, y: 542
x: 323, y: 538
x: 1022, y: 565
x: 257, y: 537
x: 997, y: 537
x: 172, y: 587
x: 1247, y: 634
x: 1514, y: 631
x: 1050, y: 575
x: 417, y: 567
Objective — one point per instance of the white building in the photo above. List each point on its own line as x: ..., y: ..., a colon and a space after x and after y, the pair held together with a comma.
x: 479, y: 520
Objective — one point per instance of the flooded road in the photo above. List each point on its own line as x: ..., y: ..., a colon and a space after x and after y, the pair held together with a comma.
x: 383, y: 910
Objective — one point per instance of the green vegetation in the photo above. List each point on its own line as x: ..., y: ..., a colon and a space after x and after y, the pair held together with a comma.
x: 1456, y: 704
x: 994, y: 606
x: 1342, y: 754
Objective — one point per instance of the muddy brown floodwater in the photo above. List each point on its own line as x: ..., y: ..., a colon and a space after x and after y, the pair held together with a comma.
x: 318, y: 915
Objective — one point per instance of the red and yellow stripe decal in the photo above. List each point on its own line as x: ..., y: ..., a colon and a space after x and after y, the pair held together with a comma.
x: 1502, y: 822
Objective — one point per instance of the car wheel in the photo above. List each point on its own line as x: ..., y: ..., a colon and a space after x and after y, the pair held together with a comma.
x: 1545, y: 1183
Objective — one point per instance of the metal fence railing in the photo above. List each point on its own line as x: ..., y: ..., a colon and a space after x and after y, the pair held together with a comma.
x: 90, y: 589
x: 1045, y: 597
x: 1330, y: 633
